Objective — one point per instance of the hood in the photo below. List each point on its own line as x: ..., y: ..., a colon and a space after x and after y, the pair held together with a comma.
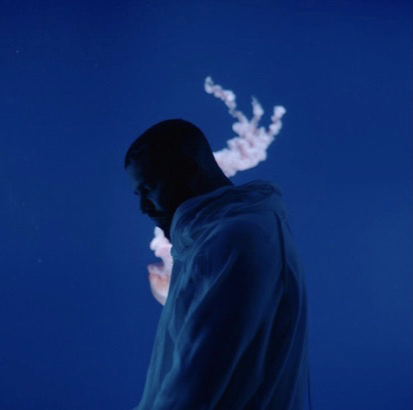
x: 204, y: 211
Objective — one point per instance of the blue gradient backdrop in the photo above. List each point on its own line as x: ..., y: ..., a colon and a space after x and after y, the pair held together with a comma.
x: 80, y: 80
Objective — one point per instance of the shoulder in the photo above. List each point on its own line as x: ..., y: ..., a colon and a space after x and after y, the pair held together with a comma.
x: 242, y: 234
x: 247, y: 228
x: 239, y: 247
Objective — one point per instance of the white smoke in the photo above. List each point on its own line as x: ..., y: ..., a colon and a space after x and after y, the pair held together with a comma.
x: 243, y: 152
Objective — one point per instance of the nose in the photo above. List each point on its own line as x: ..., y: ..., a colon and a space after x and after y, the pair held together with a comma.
x: 146, y: 206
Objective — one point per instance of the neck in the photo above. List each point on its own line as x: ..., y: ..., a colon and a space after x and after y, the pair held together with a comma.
x: 205, y: 185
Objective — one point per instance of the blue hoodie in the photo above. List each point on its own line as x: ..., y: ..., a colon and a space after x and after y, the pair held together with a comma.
x: 233, y: 332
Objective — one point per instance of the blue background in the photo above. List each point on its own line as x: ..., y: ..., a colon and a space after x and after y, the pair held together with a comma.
x: 80, y: 80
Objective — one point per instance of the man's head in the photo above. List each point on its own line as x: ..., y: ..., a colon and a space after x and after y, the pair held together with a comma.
x: 168, y: 164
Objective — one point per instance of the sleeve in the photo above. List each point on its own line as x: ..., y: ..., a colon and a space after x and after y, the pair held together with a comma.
x: 240, y: 270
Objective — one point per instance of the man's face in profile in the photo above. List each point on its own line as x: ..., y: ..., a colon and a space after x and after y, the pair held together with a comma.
x: 157, y: 196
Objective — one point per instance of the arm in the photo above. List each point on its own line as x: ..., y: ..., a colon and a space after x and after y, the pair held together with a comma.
x: 241, y: 267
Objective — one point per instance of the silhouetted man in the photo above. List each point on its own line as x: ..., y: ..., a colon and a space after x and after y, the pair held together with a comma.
x: 233, y: 332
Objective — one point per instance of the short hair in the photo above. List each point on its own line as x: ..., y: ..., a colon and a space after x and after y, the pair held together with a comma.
x: 167, y: 140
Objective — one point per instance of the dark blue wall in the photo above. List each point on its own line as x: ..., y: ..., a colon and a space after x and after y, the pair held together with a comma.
x: 79, y: 80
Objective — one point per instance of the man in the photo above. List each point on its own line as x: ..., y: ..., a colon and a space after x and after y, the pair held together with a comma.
x: 233, y: 332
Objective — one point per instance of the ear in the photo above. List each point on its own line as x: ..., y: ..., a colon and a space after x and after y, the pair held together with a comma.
x: 192, y: 166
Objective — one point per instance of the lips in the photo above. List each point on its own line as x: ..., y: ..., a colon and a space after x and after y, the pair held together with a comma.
x: 156, y: 216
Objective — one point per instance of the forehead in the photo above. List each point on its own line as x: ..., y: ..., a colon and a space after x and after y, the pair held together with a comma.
x: 140, y: 173
x: 135, y: 169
